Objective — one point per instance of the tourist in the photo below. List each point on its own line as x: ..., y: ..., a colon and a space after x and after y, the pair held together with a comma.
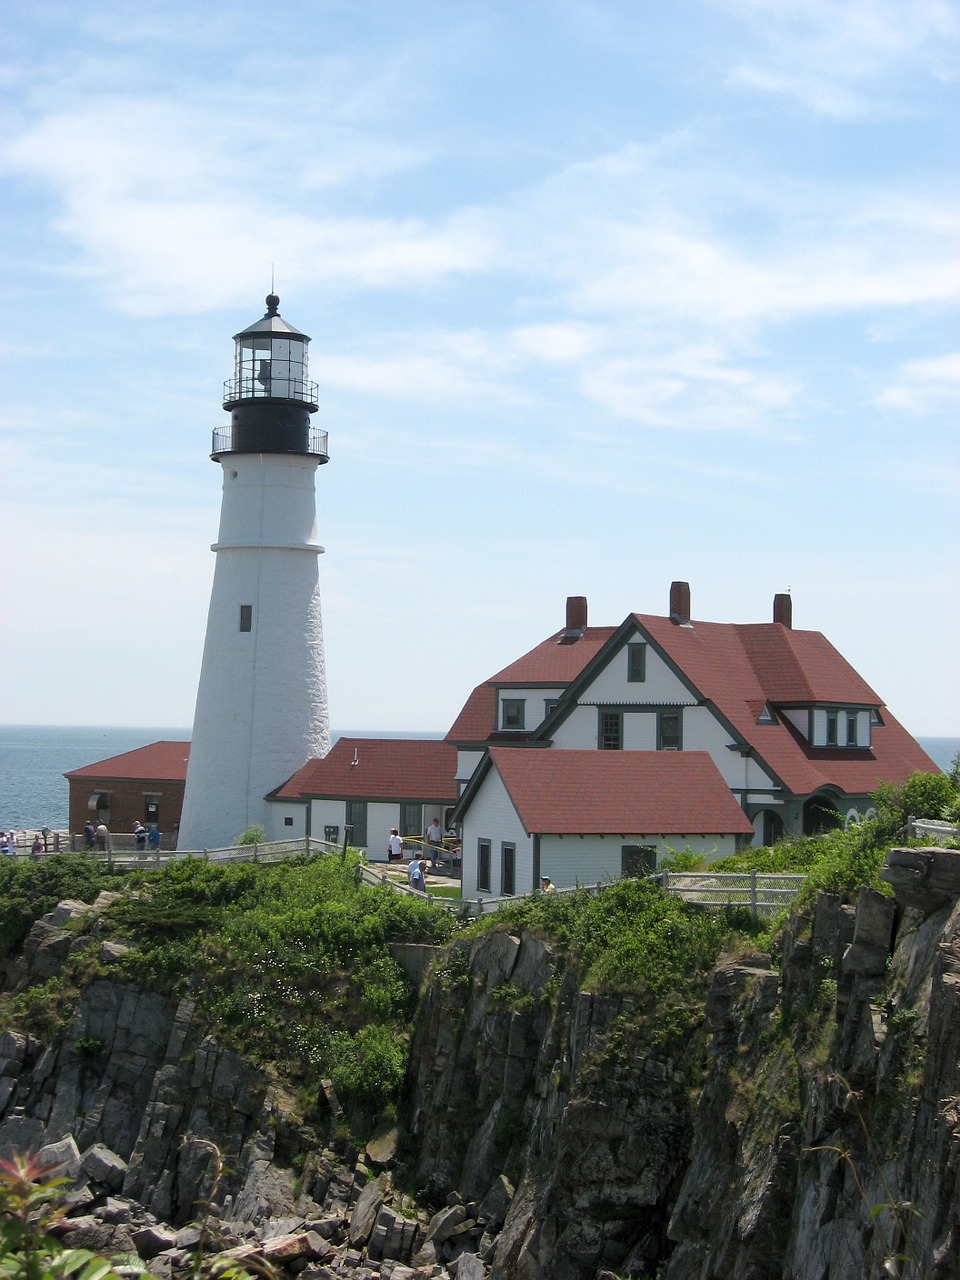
x: 140, y: 835
x: 435, y: 842
x: 418, y: 880
x: 37, y: 847
x: 89, y: 834
x: 12, y: 836
x: 546, y: 885
x: 153, y: 839
x: 4, y: 843
x: 394, y: 846
x: 103, y: 835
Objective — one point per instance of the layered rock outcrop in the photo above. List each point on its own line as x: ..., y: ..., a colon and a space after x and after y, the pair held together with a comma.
x: 806, y: 1126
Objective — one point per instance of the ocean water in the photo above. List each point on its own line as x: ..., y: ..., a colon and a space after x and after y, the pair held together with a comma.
x: 33, y: 760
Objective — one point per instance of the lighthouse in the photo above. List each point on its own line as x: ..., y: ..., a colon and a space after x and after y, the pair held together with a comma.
x: 262, y: 699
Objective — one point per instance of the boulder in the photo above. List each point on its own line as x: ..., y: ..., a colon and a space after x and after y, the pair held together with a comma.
x: 365, y: 1211
x: 443, y: 1224
x: 61, y: 1159
x: 492, y: 1209
x: 104, y: 1166
x: 469, y: 1267
x: 382, y: 1147
x: 923, y: 878
x: 151, y: 1240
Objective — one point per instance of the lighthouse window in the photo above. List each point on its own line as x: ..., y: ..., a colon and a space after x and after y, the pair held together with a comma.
x: 246, y: 617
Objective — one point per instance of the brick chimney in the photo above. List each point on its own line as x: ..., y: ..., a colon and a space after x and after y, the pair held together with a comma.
x: 783, y: 609
x: 576, y: 613
x: 680, y: 603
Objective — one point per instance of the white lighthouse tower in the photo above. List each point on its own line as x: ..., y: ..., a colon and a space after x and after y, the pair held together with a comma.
x: 262, y: 701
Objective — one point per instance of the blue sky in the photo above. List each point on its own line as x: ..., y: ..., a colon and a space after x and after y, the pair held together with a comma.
x: 601, y: 295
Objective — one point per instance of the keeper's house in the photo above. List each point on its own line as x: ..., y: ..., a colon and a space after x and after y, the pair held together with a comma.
x: 798, y: 739
x: 367, y: 785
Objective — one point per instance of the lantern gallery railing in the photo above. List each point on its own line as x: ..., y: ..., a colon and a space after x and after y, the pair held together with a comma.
x: 302, y: 440
x: 269, y: 387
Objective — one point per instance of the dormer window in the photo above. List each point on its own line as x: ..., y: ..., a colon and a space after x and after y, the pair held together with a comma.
x: 512, y: 713
x: 844, y: 728
x: 766, y: 716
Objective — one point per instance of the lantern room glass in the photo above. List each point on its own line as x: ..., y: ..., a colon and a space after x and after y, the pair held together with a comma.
x: 272, y: 366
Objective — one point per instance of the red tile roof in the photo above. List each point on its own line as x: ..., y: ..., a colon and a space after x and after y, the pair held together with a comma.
x: 160, y: 762
x: 386, y: 769
x: 740, y: 668
x: 618, y: 792
x: 549, y: 663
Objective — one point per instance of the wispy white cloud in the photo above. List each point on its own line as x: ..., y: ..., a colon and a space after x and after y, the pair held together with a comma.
x: 836, y: 59
x: 925, y: 386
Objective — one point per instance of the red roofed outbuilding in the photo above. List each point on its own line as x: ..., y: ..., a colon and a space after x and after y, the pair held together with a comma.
x: 145, y: 785
x: 370, y: 785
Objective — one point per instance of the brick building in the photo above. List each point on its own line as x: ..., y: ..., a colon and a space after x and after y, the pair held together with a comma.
x: 146, y: 785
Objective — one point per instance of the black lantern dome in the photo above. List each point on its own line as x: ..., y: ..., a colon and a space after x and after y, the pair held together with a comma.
x: 269, y: 397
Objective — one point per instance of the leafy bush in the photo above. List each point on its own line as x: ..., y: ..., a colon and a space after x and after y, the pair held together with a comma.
x: 252, y: 835
x: 923, y: 795
x: 629, y: 935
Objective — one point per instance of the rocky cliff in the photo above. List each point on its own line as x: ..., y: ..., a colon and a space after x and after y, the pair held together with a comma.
x: 805, y: 1125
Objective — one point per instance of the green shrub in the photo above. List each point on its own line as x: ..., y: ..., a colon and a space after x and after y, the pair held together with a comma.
x: 923, y: 795
x: 252, y: 835
x: 631, y: 934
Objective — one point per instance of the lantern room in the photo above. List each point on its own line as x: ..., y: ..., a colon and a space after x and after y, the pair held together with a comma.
x: 269, y: 397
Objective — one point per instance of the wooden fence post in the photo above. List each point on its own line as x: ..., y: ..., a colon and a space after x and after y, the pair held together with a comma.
x: 753, y: 896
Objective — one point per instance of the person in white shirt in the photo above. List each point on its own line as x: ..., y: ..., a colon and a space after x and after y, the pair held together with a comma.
x: 434, y: 841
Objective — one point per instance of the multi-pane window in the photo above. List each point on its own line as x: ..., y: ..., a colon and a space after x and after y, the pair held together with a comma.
x: 246, y: 617
x: 851, y: 728
x: 831, y: 728
x: 636, y: 662
x: 512, y: 713
x: 356, y: 817
x: 610, y: 733
x: 483, y: 865
x: 411, y: 818
x: 669, y: 731
x: 508, y: 868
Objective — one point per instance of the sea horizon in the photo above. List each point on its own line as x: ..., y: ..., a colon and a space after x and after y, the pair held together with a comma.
x: 33, y: 759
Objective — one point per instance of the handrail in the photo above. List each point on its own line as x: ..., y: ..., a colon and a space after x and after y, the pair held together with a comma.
x: 932, y: 829
x: 314, y: 443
